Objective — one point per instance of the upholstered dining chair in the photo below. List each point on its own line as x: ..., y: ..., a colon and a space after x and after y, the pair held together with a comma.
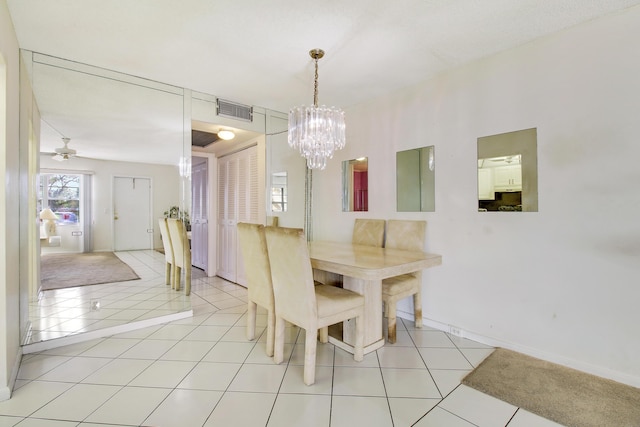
x: 253, y: 246
x: 407, y: 235
x: 298, y: 301
x: 168, y: 251
x: 369, y: 232
x: 181, y: 253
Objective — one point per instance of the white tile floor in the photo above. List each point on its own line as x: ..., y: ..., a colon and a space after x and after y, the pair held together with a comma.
x: 65, y: 312
x: 202, y: 371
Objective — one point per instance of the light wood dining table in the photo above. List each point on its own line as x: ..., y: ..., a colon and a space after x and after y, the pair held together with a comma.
x: 362, y: 269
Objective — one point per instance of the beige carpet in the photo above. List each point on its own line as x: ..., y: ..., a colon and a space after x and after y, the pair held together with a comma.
x: 566, y: 396
x: 69, y: 270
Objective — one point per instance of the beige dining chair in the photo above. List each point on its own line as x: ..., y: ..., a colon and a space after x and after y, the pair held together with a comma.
x: 181, y: 253
x: 298, y: 301
x: 406, y: 235
x: 253, y: 246
x: 369, y: 232
x: 168, y: 251
x: 272, y: 221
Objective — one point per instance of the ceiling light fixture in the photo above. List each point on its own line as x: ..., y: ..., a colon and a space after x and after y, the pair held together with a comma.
x: 226, y: 134
x: 64, y: 153
x: 316, y: 132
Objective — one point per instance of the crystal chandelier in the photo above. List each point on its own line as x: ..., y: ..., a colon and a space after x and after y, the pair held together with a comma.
x: 316, y: 131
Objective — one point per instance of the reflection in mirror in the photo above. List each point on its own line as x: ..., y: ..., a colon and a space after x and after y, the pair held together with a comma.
x: 355, y: 185
x: 123, y: 129
x: 415, y: 180
x: 507, y: 172
x: 279, y: 192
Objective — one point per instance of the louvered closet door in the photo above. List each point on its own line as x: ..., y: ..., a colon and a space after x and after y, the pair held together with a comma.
x: 238, y: 201
x: 247, y: 199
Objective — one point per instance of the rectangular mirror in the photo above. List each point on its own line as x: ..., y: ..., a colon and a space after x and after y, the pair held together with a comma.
x: 415, y: 180
x: 355, y: 185
x: 507, y: 172
x: 279, y: 192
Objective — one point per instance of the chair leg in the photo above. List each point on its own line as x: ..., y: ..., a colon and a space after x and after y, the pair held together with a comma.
x: 417, y: 309
x: 271, y: 331
x: 177, y: 273
x: 324, y: 335
x: 310, y: 343
x: 358, y: 353
x: 251, y: 320
x: 187, y: 280
x: 391, y: 320
x: 278, y: 345
x: 167, y: 274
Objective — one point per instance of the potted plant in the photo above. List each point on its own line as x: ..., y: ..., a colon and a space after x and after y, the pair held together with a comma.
x: 177, y: 213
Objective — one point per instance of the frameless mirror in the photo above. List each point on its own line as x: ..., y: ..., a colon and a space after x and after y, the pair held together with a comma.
x: 123, y: 130
x: 279, y: 192
x: 507, y: 172
x: 355, y: 185
x: 415, y: 180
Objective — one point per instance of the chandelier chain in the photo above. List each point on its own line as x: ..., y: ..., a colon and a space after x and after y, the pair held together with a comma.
x: 315, y: 85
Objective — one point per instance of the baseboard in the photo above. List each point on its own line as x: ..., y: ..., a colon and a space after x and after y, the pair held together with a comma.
x: 5, y: 392
x: 101, y: 333
x: 599, y: 371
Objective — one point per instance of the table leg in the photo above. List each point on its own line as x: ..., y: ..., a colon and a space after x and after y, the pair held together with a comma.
x: 372, y: 291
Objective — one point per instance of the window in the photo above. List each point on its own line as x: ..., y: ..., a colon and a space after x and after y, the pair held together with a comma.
x: 61, y: 193
x: 279, y: 192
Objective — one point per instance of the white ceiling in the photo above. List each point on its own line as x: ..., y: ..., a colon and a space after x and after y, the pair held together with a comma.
x: 256, y: 52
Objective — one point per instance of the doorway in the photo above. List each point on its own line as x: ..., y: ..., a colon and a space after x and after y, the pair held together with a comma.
x: 132, y: 223
x: 200, y: 213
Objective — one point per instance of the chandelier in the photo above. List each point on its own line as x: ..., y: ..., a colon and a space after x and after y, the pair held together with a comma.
x: 316, y: 132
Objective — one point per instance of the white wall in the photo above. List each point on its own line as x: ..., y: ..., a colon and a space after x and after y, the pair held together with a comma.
x: 166, y: 191
x: 9, y: 203
x: 560, y: 284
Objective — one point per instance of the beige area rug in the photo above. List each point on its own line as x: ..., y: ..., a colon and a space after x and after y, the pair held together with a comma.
x: 564, y: 395
x: 59, y: 271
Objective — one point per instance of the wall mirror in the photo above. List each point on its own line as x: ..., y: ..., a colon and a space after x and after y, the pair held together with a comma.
x: 122, y: 129
x: 415, y: 180
x: 355, y: 185
x: 508, y: 172
x: 279, y: 192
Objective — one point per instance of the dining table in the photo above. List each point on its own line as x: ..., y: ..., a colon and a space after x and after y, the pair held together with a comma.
x: 361, y: 269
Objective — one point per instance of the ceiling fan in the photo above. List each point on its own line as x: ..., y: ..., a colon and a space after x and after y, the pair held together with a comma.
x: 64, y: 153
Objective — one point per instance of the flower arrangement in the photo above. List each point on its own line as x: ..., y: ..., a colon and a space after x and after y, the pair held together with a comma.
x: 177, y: 213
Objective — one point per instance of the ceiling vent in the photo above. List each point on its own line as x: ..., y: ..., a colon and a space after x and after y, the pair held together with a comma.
x: 233, y: 110
x: 202, y: 139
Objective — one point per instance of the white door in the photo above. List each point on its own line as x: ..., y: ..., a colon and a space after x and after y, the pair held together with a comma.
x: 227, y: 205
x: 132, y: 228
x: 199, y: 216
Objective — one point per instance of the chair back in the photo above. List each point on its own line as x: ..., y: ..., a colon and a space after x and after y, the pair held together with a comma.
x: 369, y: 232
x: 180, y: 242
x: 166, y: 241
x: 405, y: 234
x: 292, y: 276
x: 253, y: 246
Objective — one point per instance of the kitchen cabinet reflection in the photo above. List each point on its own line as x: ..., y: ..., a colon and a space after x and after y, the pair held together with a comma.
x: 507, y: 172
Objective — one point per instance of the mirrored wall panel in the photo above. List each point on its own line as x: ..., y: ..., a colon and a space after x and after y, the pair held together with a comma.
x: 129, y: 141
x: 415, y: 180
x: 507, y: 172
x: 279, y: 192
x: 355, y: 185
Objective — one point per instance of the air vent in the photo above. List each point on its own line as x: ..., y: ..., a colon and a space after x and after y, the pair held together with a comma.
x: 234, y: 110
x: 202, y: 139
